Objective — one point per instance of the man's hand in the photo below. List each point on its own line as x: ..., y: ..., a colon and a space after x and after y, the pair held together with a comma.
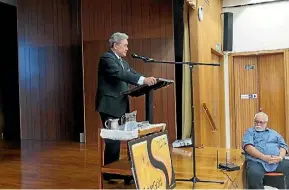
x: 267, y: 158
x: 150, y: 81
x: 271, y: 159
x: 275, y: 159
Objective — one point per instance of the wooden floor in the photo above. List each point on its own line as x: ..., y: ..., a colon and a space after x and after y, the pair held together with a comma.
x: 66, y: 165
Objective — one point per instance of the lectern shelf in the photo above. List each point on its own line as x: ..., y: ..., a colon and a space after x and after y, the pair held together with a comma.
x: 148, y: 92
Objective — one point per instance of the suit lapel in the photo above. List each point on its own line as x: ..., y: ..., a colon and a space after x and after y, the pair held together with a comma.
x: 125, y: 65
x: 116, y: 58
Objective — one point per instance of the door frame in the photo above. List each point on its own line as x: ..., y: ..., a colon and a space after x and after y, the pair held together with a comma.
x: 231, y: 56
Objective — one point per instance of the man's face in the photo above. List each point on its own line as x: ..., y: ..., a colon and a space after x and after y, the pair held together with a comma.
x: 260, y: 122
x: 121, y: 48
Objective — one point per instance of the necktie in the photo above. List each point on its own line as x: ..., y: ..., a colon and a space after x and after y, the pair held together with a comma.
x: 120, y: 60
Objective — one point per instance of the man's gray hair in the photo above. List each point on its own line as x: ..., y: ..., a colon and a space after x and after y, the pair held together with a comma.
x: 263, y: 115
x: 116, y: 38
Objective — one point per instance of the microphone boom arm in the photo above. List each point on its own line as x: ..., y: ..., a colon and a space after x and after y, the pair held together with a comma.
x: 182, y: 63
x: 191, y: 64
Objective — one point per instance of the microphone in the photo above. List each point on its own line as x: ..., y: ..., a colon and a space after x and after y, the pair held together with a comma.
x: 145, y: 59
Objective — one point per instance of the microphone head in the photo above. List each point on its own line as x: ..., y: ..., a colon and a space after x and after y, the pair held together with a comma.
x: 134, y: 55
x: 145, y: 59
x: 149, y: 60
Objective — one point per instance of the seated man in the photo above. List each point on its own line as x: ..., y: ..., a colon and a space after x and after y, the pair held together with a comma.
x: 265, y: 150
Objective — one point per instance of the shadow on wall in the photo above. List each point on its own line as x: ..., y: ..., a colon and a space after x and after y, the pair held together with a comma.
x: 9, y: 91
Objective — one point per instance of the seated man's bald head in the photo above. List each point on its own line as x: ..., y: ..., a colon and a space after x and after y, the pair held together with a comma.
x: 262, y: 115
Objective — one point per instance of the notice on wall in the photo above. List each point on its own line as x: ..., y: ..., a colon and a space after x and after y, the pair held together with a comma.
x: 249, y: 96
x: 249, y: 67
x: 151, y: 162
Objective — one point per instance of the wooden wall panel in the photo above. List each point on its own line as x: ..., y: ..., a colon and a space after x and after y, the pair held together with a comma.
x: 149, y: 24
x: 215, y: 105
x: 50, y: 71
x: 245, y: 82
x: 204, y: 35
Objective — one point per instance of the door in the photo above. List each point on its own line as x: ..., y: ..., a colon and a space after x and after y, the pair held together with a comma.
x: 259, y: 84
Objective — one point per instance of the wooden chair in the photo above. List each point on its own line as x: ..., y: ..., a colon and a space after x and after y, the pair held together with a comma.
x: 275, y: 179
x: 121, y: 167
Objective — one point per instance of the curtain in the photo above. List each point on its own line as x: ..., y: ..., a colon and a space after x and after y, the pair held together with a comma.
x: 186, y: 86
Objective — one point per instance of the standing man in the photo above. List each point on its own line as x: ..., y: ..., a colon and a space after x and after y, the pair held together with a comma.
x: 265, y: 152
x: 114, y: 76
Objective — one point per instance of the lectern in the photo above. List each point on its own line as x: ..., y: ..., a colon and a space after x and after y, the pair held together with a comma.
x: 148, y: 92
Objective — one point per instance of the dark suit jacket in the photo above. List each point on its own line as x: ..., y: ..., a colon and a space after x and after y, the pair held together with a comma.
x: 112, y: 80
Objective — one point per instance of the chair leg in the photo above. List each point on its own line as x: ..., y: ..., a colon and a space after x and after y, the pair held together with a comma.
x: 127, y: 149
x: 285, y: 182
x: 100, y: 181
x: 100, y: 148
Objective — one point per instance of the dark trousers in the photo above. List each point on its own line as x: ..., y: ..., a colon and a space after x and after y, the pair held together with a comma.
x: 112, y: 147
x: 255, y: 173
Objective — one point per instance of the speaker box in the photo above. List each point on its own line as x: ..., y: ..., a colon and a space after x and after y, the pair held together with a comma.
x: 228, y: 32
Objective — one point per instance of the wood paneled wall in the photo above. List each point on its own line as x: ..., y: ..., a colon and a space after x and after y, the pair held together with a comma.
x: 50, y: 70
x: 149, y: 23
x: 208, y: 81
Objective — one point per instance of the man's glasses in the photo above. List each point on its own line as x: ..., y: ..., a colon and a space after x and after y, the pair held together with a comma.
x: 260, y: 122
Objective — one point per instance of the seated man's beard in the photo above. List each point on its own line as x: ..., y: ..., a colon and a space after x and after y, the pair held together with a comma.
x: 259, y: 128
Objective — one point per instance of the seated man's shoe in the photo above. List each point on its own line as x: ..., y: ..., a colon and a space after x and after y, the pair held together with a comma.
x: 128, y: 180
x: 109, y: 178
x: 106, y: 177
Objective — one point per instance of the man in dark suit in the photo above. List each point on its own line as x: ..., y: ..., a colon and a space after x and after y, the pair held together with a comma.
x: 114, y: 76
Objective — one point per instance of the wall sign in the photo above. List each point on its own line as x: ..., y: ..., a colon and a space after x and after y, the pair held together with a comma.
x: 249, y: 67
x: 249, y: 96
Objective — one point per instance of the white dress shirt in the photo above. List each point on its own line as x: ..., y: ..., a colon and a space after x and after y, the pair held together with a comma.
x: 140, y: 80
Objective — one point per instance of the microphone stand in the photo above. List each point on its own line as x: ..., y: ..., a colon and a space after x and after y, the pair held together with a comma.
x: 194, y: 179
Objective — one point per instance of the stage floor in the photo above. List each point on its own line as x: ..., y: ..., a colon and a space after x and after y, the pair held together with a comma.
x: 69, y: 165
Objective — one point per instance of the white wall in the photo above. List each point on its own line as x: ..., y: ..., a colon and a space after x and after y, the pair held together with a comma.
x: 242, y: 2
x: 259, y: 27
